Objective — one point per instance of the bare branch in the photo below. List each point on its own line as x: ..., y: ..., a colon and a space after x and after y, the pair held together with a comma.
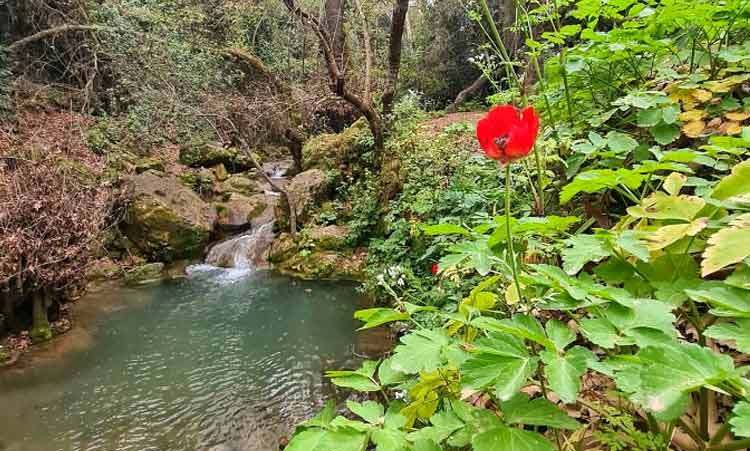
x: 53, y: 32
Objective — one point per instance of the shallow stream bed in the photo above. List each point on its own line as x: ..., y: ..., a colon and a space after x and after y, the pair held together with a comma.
x: 224, y: 359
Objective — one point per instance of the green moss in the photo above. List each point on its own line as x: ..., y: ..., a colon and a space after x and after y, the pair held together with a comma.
x: 256, y: 211
x: 41, y: 333
x: 328, y: 151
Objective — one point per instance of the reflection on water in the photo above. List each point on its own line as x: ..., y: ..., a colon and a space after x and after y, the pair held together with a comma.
x: 217, y: 359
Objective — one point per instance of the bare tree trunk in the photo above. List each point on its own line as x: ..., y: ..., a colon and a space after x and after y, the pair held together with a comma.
x: 40, y: 330
x: 398, y: 20
x: 334, y: 23
x: 368, y: 52
x: 464, y: 95
x: 337, y: 80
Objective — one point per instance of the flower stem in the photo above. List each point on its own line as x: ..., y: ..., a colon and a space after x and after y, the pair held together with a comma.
x: 509, y: 233
x: 540, y: 181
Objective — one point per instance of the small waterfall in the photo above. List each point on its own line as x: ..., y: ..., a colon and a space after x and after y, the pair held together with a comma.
x: 246, y: 251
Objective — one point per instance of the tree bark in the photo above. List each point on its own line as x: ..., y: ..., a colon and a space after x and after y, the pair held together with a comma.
x: 368, y: 52
x: 334, y: 23
x: 40, y: 330
x: 398, y: 20
x: 464, y: 95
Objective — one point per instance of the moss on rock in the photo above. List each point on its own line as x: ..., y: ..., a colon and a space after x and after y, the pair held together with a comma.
x: 330, y: 150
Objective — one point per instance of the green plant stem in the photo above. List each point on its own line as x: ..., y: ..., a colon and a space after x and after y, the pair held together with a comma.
x: 509, y: 233
x: 720, y: 434
x: 512, y: 76
x: 731, y: 446
x: 539, y: 180
x: 691, y: 432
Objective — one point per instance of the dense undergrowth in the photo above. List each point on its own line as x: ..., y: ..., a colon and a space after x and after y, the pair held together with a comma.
x: 632, y: 326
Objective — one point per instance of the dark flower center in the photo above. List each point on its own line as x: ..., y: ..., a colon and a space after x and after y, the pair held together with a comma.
x: 502, y: 141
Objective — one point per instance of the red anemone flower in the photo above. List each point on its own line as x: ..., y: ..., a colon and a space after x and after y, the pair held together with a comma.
x: 435, y: 268
x: 506, y: 134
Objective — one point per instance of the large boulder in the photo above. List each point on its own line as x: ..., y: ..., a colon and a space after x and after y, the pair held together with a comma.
x: 334, y: 150
x: 211, y: 154
x: 305, y: 191
x: 240, y: 212
x: 239, y: 184
x: 166, y: 220
x: 325, y: 256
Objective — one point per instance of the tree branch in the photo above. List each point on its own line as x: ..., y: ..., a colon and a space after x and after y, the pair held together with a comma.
x: 14, y: 47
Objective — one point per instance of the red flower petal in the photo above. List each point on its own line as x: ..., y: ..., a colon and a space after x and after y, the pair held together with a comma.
x: 505, y: 135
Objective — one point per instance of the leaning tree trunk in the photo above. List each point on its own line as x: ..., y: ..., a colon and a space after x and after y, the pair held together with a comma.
x: 334, y: 24
x: 466, y: 93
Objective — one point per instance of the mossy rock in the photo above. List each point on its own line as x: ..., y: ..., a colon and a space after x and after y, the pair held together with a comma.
x: 211, y: 154
x: 40, y: 334
x: 331, y: 150
x: 166, y: 220
x: 306, y: 190
x: 149, y: 164
x: 199, y: 180
x: 240, y: 184
x: 332, y: 237
x: 148, y: 273
x: 239, y: 212
x: 324, y: 265
x: 103, y: 269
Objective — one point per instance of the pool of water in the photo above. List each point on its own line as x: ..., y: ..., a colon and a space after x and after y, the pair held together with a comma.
x: 223, y: 359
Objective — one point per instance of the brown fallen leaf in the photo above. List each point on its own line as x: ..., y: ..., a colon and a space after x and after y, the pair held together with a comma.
x: 693, y: 129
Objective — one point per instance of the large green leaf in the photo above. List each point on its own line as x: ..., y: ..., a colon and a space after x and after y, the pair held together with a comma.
x: 737, y: 332
x: 725, y: 300
x: 442, y: 425
x: 741, y: 420
x: 536, y: 412
x: 360, y: 380
x: 328, y: 440
x: 421, y: 350
x: 735, y: 184
x: 504, y: 438
x: 521, y: 326
x: 662, y: 377
x: 370, y: 411
x: 374, y: 317
x: 600, y: 179
x: 559, y: 333
x: 501, y: 361
x: 564, y: 371
x: 728, y: 246
x: 474, y: 254
x: 663, y: 206
x: 582, y: 249
x: 445, y: 229
x: 620, y: 142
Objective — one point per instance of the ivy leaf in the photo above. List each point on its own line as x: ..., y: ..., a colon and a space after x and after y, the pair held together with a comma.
x: 741, y: 420
x: 564, y: 371
x: 728, y: 246
x: 421, y: 350
x: 503, y: 438
x: 620, y: 142
x: 665, y: 133
x: 375, y: 317
x: 649, y: 117
x: 600, y: 179
x: 581, y: 249
x: 537, y: 412
x: 737, y: 331
x: 360, y: 380
x: 501, y: 361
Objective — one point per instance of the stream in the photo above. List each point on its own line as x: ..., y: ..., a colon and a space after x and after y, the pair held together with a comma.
x: 227, y: 359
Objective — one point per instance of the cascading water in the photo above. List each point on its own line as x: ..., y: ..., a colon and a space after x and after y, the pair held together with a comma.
x: 246, y: 251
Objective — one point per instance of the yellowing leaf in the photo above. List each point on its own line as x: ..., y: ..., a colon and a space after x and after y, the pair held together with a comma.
x: 674, y: 183
x: 666, y: 235
x: 731, y: 128
x: 701, y: 95
x: 692, y: 115
x: 726, y: 84
x: 662, y: 206
x: 693, y: 129
x: 737, y: 116
x: 727, y: 246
